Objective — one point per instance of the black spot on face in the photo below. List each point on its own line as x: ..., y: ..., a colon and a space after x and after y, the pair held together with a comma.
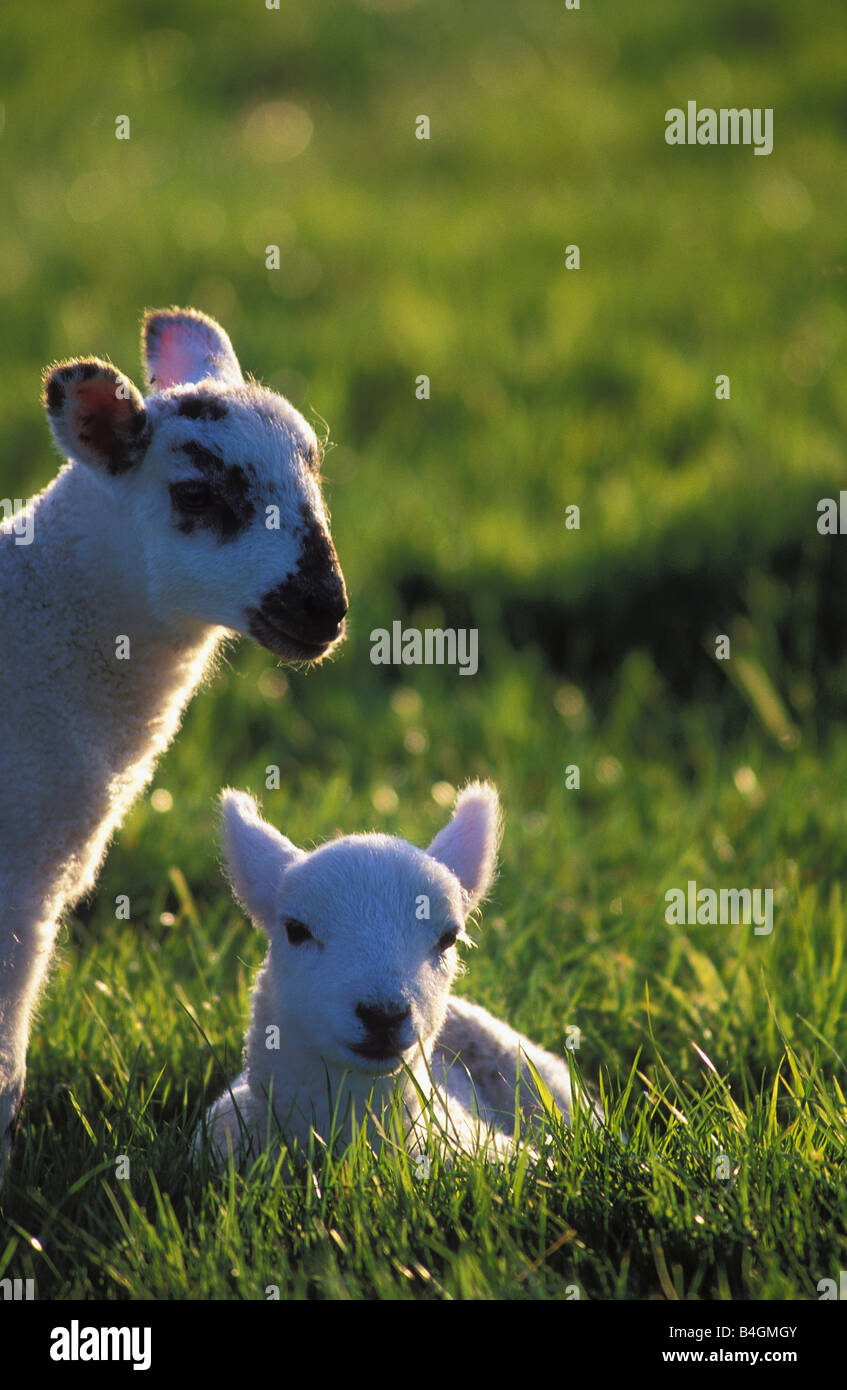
x: 304, y: 615
x: 228, y: 509
x: 201, y: 407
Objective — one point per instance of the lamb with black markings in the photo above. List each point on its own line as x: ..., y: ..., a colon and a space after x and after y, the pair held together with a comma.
x: 180, y: 518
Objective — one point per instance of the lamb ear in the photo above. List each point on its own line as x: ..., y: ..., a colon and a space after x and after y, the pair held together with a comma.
x: 468, y: 845
x: 96, y: 414
x: 256, y: 856
x: 182, y: 346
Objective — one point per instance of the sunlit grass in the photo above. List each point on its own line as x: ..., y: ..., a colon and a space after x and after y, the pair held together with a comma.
x: 712, y: 1049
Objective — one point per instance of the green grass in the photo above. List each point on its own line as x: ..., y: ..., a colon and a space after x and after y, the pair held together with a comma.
x: 548, y: 388
x: 575, y: 935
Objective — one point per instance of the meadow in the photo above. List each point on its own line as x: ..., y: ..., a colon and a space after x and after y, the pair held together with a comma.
x: 718, y: 1053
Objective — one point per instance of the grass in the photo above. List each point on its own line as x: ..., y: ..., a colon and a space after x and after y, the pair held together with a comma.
x: 549, y: 388
x: 707, y: 1041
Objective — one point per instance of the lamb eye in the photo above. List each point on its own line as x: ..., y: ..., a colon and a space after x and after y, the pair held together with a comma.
x: 447, y: 940
x: 297, y: 932
x: 191, y: 496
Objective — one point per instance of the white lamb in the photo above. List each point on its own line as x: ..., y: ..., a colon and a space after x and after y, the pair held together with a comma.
x: 353, y: 1000
x: 180, y: 517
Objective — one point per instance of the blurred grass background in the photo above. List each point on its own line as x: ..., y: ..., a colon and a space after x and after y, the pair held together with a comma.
x: 550, y: 387
x: 252, y: 127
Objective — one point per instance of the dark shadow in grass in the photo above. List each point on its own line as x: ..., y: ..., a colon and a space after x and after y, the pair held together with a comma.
x: 670, y: 614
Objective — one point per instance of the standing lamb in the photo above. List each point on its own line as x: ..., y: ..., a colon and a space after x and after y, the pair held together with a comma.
x: 363, y: 934
x: 182, y: 516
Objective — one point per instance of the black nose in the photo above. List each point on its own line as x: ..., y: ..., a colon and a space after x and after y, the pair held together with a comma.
x: 317, y: 611
x: 309, y: 610
x: 382, y: 1020
x: 311, y: 604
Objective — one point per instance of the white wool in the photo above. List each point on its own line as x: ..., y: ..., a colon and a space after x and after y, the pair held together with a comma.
x: 380, y: 916
x: 113, y: 557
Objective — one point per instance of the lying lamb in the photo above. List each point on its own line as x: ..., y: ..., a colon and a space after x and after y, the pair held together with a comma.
x: 353, y: 1000
x: 180, y: 517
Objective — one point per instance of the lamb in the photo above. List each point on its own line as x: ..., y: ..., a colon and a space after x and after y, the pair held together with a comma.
x: 178, y: 519
x: 352, y: 1006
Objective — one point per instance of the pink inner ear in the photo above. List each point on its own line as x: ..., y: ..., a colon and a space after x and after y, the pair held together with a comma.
x: 100, y: 416
x: 185, y: 350
x: 179, y: 356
